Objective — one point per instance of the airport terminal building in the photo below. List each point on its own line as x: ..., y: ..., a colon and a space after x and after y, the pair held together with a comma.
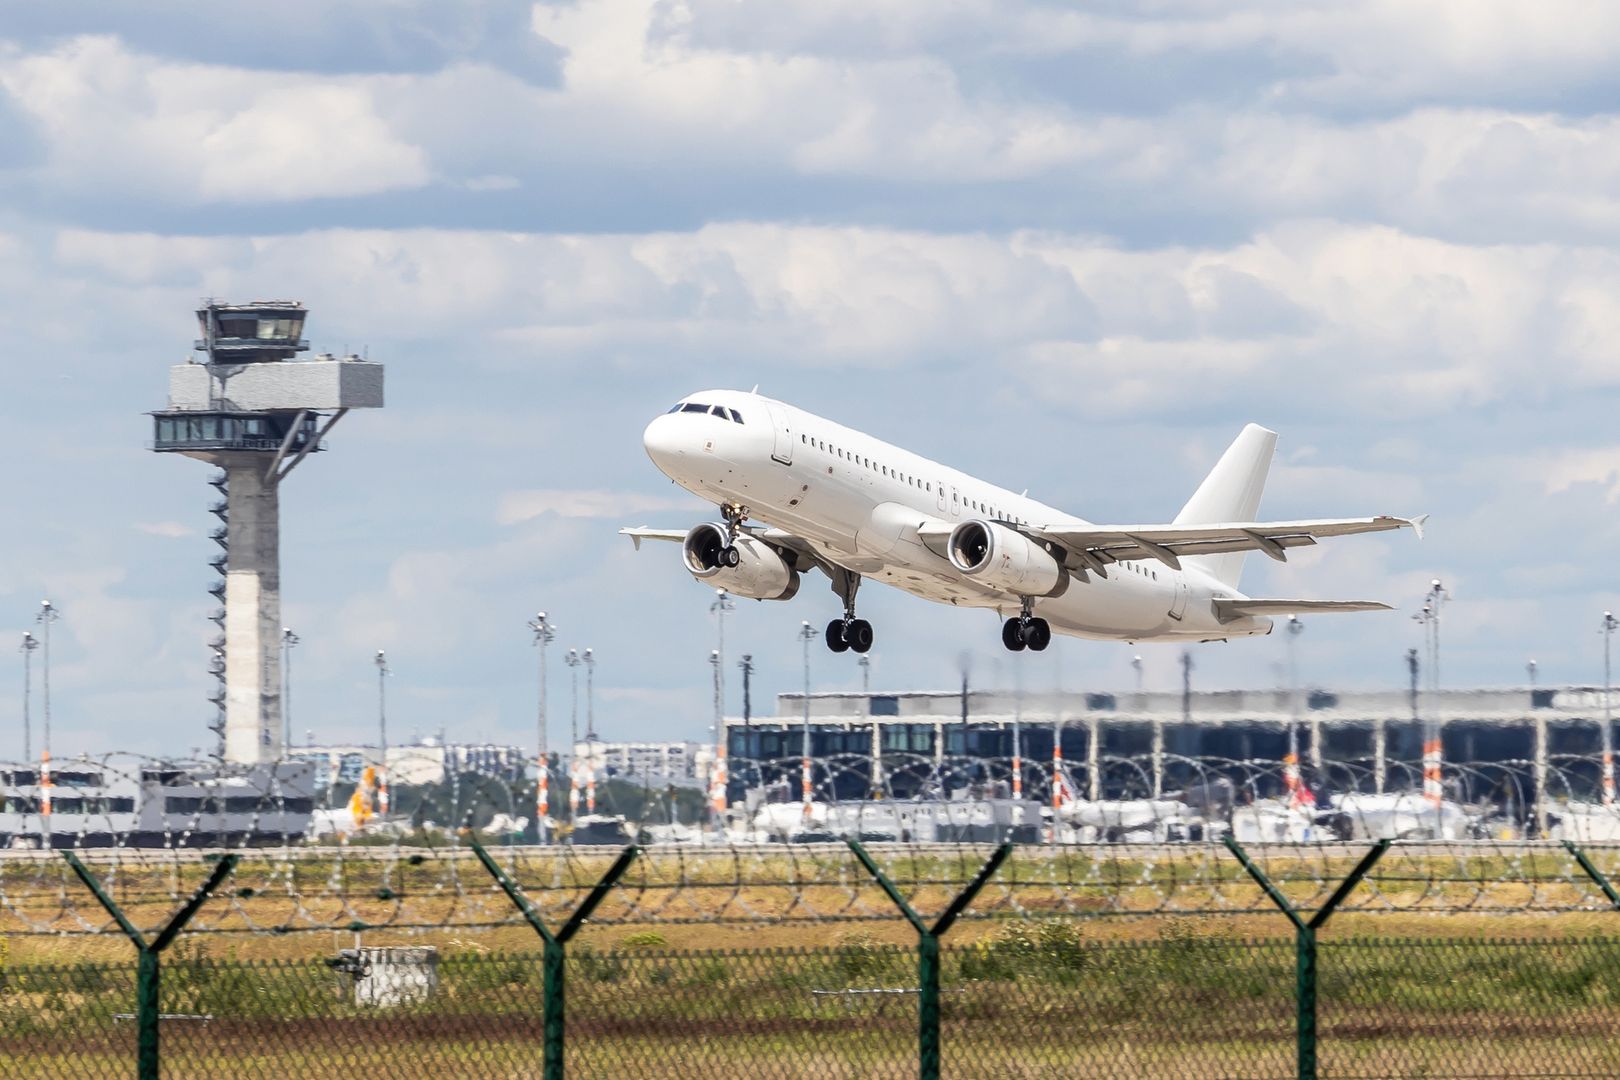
x: 1116, y: 745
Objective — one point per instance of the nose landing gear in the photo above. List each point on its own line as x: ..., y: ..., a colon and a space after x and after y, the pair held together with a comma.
x: 734, y: 516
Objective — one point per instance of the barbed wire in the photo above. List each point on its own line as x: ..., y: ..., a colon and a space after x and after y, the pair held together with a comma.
x: 1124, y: 836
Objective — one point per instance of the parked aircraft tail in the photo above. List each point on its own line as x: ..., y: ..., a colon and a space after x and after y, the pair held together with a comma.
x: 1231, y: 493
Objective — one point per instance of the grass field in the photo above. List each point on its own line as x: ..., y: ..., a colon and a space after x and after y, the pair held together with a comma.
x: 1028, y: 998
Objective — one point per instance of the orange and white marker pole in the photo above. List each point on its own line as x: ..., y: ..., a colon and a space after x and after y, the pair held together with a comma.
x: 45, y: 783
x: 1608, y: 778
x: 542, y: 797
x: 1432, y: 789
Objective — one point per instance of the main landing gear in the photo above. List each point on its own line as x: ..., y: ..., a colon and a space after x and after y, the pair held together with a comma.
x: 735, y: 516
x: 1027, y: 631
x: 848, y: 633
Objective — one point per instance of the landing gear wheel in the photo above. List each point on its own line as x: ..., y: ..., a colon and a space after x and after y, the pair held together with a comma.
x: 1037, y: 634
x: 729, y: 556
x: 835, y: 636
x: 858, y: 634
x: 1012, y: 635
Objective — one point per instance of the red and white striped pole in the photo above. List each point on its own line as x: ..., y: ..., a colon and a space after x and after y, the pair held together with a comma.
x: 1432, y: 789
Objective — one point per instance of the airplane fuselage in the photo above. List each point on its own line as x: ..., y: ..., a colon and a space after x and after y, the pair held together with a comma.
x: 859, y: 501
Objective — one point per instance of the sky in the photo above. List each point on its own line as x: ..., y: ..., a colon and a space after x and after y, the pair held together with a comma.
x: 1068, y: 248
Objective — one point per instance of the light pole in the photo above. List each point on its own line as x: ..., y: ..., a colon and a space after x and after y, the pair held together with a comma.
x: 1530, y: 669
x: 746, y: 665
x: 29, y: 644
x: 381, y: 660
x: 589, y: 660
x: 807, y: 633
x: 1291, y: 761
x: 573, y: 661
x: 545, y: 631
x: 48, y: 614
x: 1609, y: 624
x: 288, y: 640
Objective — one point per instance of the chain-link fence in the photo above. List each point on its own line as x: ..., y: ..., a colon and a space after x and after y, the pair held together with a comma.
x: 1033, y: 999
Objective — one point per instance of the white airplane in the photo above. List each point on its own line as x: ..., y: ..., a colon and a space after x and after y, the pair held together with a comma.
x: 797, y: 492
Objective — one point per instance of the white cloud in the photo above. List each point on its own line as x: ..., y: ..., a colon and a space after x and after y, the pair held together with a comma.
x: 171, y: 529
x: 519, y: 506
x: 117, y: 121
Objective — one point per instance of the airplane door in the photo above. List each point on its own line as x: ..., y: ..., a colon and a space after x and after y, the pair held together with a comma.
x: 939, y: 490
x: 782, y: 449
x: 956, y: 502
x: 1178, y: 605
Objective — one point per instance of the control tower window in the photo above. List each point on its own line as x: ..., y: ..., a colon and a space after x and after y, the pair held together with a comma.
x: 280, y: 328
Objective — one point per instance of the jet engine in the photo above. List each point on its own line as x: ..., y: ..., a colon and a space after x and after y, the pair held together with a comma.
x: 759, y: 573
x: 1005, y: 559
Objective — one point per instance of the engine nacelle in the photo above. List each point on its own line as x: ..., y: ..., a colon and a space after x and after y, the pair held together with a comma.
x: 1003, y: 558
x: 760, y: 573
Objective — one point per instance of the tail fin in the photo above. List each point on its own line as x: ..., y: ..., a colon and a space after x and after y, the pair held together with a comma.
x: 1231, y: 493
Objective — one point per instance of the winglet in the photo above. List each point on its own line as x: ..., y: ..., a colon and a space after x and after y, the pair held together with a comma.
x: 1417, y: 524
x: 635, y: 537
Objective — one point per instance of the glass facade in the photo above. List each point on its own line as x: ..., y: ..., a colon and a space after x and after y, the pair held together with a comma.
x: 263, y: 431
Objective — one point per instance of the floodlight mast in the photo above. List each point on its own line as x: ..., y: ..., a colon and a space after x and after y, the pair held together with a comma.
x: 381, y: 660
x: 545, y: 631
x: 29, y: 644
x: 807, y: 634
x: 1609, y: 624
x: 255, y: 411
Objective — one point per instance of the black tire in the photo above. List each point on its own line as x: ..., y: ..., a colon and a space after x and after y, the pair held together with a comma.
x: 1037, y: 635
x: 835, y: 636
x: 729, y: 556
x: 859, y: 635
x: 1012, y: 636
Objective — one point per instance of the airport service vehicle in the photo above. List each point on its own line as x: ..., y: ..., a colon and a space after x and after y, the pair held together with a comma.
x: 798, y: 492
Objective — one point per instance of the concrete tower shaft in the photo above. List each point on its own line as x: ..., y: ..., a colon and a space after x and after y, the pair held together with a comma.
x: 253, y: 729
x: 256, y: 412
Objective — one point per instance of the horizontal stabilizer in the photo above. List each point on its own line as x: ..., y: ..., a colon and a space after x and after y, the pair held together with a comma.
x: 1234, y: 609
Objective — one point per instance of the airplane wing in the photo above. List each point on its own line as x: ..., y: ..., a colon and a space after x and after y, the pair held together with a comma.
x: 1231, y: 609
x: 640, y: 533
x: 1112, y: 543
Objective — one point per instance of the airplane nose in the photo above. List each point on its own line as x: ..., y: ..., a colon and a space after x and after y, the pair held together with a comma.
x: 661, y: 439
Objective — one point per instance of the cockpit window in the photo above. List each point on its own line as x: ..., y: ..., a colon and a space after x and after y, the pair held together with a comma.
x: 736, y: 416
x: 719, y: 410
x: 693, y: 406
x: 674, y: 408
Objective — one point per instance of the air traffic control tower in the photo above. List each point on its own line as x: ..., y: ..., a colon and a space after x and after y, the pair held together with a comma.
x: 253, y: 409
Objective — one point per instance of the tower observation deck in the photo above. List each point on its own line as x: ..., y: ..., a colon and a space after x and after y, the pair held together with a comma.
x: 256, y: 411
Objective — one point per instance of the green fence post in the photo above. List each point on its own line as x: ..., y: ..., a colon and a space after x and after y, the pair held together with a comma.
x: 148, y: 1011
x: 553, y: 966
x: 928, y: 1048
x: 1594, y: 873
x: 1305, y: 1035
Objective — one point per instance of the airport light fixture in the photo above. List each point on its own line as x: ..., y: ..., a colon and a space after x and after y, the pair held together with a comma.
x: 807, y: 634
x: 1294, y: 628
x: 29, y: 644
x: 381, y: 660
x: 545, y: 631
x: 48, y: 614
x: 589, y: 660
x: 288, y: 641
x: 1609, y: 624
x: 1530, y: 669
x: 572, y: 659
